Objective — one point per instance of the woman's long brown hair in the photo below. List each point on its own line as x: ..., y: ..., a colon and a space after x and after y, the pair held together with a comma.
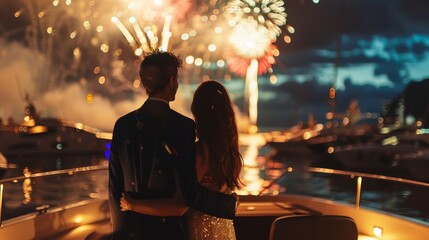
x: 217, y: 128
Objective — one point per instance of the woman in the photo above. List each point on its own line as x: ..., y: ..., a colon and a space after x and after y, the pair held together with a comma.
x: 218, y: 163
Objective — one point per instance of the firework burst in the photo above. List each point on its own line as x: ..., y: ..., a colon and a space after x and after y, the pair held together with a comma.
x: 203, y: 41
x: 268, y: 13
x: 249, y: 39
x: 151, y: 30
x: 239, y: 65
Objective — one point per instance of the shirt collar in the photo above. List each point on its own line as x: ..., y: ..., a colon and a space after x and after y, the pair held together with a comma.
x: 158, y: 99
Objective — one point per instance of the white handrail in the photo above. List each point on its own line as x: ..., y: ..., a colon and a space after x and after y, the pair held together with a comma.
x: 69, y: 171
x: 56, y: 172
x: 1, y: 202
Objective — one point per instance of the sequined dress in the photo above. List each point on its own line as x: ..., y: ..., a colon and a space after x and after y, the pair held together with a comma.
x: 206, y: 227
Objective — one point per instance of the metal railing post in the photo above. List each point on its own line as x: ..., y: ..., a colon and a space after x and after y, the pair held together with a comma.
x: 1, y: 203
x: 358, y: 191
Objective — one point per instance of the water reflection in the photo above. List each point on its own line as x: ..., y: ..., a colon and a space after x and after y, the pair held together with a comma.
x: 253, y: 182
x: 276, y: 173
x: 26, y: 186
x: 264, y: 169
x: 39, y: 164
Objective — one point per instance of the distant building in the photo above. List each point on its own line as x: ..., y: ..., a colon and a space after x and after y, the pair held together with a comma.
x: 413, y: 103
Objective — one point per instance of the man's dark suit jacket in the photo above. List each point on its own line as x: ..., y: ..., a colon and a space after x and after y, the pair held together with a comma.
x: 128, y: 173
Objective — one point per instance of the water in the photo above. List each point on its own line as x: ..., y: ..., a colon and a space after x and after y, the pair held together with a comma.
x: 50, y: 163
x: 26, y: 195
x: 260, y: 169
x: 264, y: 166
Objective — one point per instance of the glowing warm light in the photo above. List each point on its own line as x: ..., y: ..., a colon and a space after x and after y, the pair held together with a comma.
x: 273, y: 79
x: 253, y: 129
x: 275, y: 52
x: 104, y: 135
x: 78, y: 219
x: 390, y: 141
x: 419, y: 123
x: 252, y: 90
x: 138, y: 52
x: 254, y: 37
x: 384, y: 130
x: 332, y: 92
x: 330, y: 150
x: 212, y: 47
x: 101, y: 80
x: 38, y: 129
x: 140, y: 35
x: 73, y: 35
x: 41, y: 14
x: 76, y: 52
x: 99, y: 28
x: 49, y: 30
x: 269, y: 14
x: 104, y: 47
x: 124, y: 31
x: 189, y: 59
x: 287, y: 39
x: 213, y: 18
x: 136, y: 83
x: 306, y: 135
x: 185, y: 36
x: 166, y: 33
x: 250, y: 175
x: 220, y: 63
x: 27, y: 188
x: 346, y: 121
x: 79, y: 126
x: 198, y: 62
x: 86, y: 25
x: 89, y: 98
x: 97, y: 70
x: 250, y: 208
x: 18, y: 13
x: 377, y: 231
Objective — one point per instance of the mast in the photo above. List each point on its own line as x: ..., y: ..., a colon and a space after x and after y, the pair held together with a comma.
x: 332, y: 89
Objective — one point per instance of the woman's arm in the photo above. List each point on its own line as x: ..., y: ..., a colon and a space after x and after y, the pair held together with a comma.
x: 156, y: 207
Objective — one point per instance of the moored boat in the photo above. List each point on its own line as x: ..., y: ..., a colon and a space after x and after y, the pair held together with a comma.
x: 50, y: 136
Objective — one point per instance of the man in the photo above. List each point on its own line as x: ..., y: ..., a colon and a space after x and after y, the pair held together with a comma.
x: 135, y: 138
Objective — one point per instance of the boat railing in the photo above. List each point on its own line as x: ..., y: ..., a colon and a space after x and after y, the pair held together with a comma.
x: 402, y: 197
x: 38, y: 192
x: 360, y: 176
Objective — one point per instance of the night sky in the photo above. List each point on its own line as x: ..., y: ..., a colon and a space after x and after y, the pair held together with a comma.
x: 384, y: 45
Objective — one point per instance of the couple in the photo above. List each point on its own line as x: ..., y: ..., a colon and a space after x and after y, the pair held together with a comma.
x: 201, y: 204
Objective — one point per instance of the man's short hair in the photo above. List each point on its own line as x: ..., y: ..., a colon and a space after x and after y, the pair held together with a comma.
x: 157, y: 68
